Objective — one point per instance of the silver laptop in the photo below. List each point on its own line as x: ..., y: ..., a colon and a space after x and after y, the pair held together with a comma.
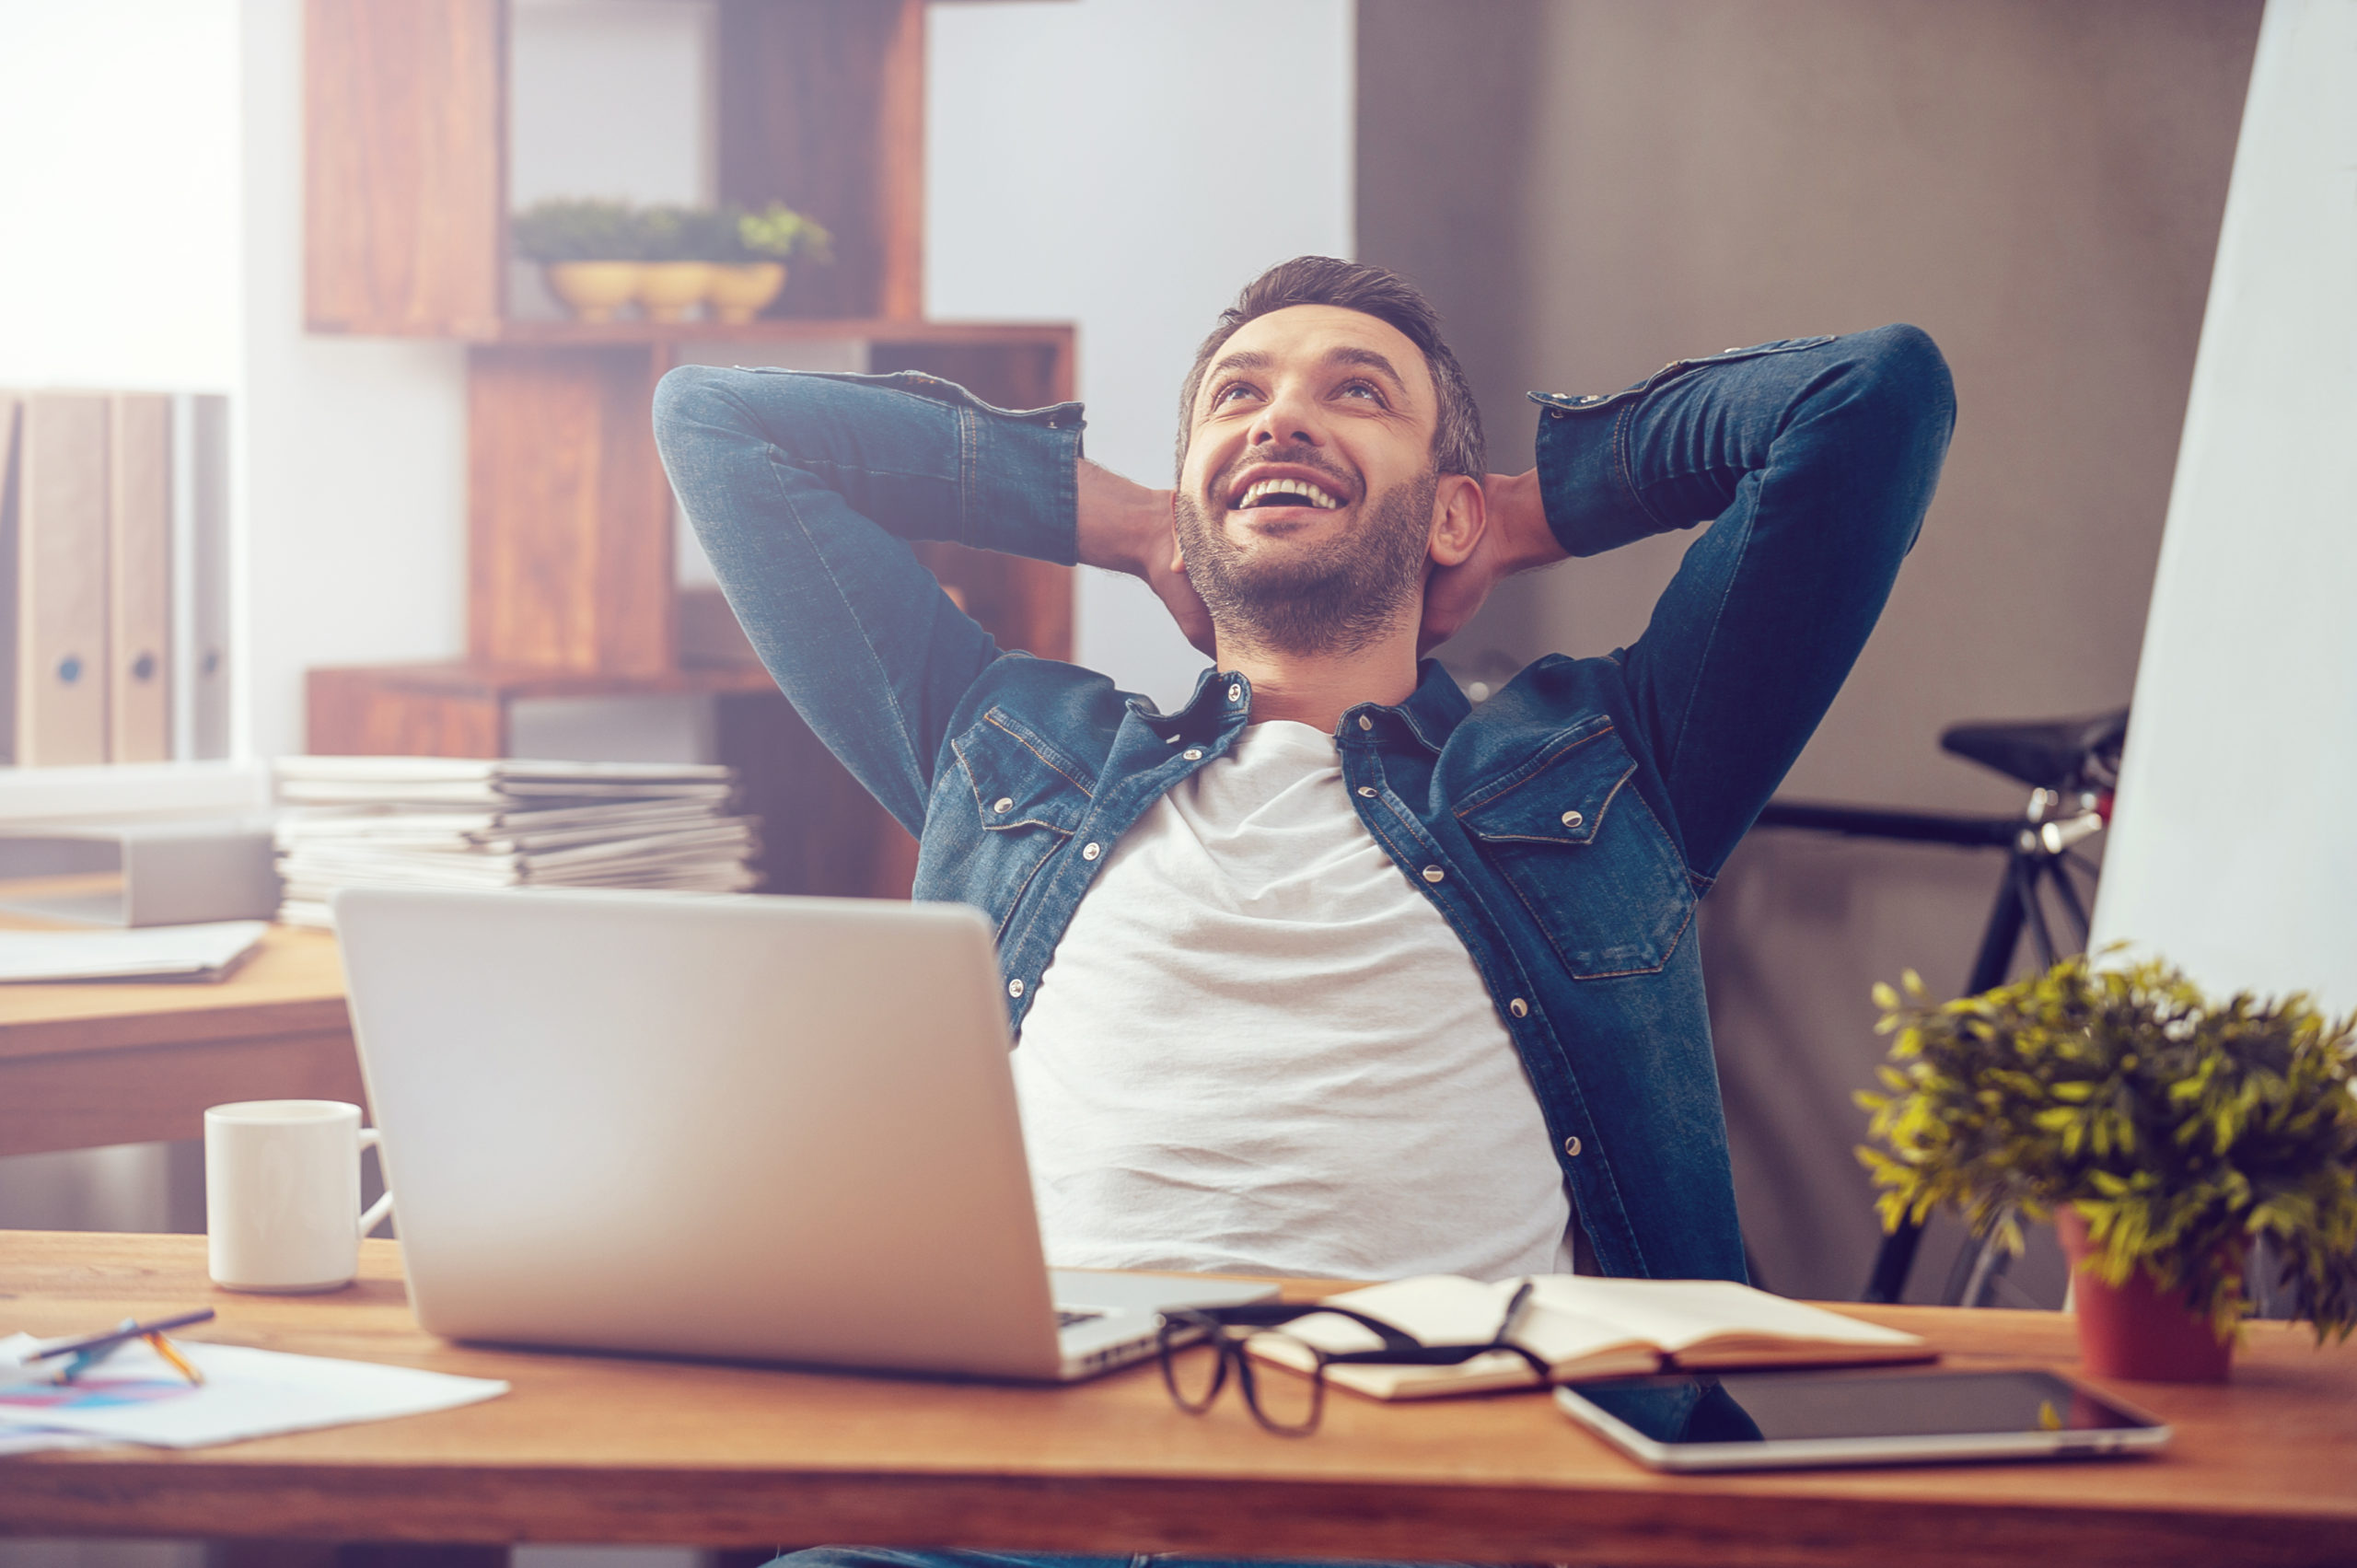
x: 762, y: 1129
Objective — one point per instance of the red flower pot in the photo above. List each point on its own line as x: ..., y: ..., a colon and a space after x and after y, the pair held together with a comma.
x: 2137, y: 1330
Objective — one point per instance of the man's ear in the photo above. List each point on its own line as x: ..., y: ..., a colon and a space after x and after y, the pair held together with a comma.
x: 1460, y: 515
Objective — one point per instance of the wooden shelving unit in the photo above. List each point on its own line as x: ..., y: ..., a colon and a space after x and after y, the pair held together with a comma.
x: 571, y: 587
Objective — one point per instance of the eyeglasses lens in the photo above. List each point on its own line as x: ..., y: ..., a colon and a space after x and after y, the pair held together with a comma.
x: 1285, y: 1400
x: 1194, y: 1371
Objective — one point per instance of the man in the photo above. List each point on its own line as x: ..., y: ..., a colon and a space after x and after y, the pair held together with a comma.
x: 1329, y: 973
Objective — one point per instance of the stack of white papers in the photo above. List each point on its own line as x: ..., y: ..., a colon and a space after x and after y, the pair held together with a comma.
x: 134, y: 1397
x: 444, y: 822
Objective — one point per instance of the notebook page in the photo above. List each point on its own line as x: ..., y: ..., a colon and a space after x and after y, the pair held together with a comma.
x: 1442, y: 1309
x: 1679, y: 1314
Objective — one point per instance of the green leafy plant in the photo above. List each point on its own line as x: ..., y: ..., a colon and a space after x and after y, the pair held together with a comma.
x: 579, y: 229
x: 573, y: 230
x: 778, y: 233
x: 686, y: 234
x: 2181, y: 1129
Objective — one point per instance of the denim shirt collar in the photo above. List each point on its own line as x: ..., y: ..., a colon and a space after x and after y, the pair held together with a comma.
x: 1429, y: 717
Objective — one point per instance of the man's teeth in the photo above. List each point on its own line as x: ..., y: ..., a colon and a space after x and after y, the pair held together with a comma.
x: 1301, y: 487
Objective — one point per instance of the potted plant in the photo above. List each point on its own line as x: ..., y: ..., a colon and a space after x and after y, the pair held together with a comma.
x: 588, y: 249
x: 757, y: 249
x: 677, y: 244
x: 2164, y: 1132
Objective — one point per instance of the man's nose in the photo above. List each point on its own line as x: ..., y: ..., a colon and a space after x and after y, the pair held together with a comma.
x: 1291, y: 415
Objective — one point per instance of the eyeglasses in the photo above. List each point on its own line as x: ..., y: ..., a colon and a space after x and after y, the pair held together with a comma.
x: 1198, y: 1348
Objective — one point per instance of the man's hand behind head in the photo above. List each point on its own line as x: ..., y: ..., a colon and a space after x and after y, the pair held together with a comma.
x: 1516, y: 540
x: 1125, y: 526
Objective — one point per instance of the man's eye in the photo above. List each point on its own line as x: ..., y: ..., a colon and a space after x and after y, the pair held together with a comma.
x: 1366, y: 390
x: 1229, y: 392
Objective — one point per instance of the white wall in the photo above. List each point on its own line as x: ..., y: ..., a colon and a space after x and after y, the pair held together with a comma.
x: 611, y: 98
x: 2233, y: 853
x: 119, y: 188
x: 1128, y: 165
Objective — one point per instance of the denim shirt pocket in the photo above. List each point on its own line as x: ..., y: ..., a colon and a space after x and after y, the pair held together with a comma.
x: 1585, y: 854
x: 1025, y: 797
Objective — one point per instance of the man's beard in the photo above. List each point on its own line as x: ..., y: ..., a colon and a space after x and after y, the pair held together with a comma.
x: 1336, y: 597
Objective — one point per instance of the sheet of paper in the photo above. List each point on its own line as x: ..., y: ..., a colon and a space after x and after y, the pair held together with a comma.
x: 206, y: 951
x: 40, y: 1439
x: 134, y: 1395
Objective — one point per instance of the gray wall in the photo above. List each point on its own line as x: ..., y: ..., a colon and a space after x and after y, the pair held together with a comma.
x: 1590, y: 188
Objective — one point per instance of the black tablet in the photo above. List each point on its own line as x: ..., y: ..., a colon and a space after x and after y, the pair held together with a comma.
x: 1749, y: 1420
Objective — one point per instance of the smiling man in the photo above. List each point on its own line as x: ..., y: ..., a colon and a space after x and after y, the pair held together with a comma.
x: 1330, y: 972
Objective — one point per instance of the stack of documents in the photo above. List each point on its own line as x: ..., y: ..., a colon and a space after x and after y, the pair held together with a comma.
x: 444, y: 822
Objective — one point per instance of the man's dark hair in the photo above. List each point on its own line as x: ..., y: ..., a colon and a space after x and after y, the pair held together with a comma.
x: 1373, y: 291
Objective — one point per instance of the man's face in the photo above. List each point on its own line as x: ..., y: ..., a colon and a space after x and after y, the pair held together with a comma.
x: 1304, y: 508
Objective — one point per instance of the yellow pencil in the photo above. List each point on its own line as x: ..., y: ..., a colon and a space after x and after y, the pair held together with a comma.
x: 179, y: 1362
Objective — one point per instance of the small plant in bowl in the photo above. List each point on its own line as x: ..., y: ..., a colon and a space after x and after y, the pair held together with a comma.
x: 678, y: 245
x: 2164, y: 1132
x: 752, y: 268
x: 588, y: 249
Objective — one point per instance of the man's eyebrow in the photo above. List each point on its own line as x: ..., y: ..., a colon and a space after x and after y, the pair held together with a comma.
x: 1242, y: 359
x: 1364, y: 358
x: 1368, y: 359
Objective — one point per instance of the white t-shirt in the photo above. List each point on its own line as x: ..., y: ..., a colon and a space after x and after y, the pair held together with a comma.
x: 1260, y: 1049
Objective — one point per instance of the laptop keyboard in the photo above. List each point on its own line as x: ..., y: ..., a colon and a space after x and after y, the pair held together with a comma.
x: 1066, y: 1317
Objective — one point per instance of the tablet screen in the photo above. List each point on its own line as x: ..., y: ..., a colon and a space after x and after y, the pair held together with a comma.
x: 1777, y: 1407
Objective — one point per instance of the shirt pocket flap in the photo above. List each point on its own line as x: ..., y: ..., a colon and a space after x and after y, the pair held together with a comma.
x: 1019, y: 779
x: 1561, y: 798
x: 1612, y: 900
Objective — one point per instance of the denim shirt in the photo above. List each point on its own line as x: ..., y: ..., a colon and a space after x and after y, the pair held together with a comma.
x: 1564, y: 828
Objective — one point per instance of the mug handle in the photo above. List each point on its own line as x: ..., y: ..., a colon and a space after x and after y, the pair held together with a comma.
x: 382, y: 1207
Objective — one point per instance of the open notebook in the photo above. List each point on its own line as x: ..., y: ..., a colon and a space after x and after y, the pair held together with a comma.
x: 1581, y: 1327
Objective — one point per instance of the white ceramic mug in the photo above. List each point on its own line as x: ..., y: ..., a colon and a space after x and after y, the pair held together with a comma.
x: 282, y: 1184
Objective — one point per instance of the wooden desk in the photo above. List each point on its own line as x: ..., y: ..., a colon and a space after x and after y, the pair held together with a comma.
x: 127, y: 1062
x: 2264, y: 1470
